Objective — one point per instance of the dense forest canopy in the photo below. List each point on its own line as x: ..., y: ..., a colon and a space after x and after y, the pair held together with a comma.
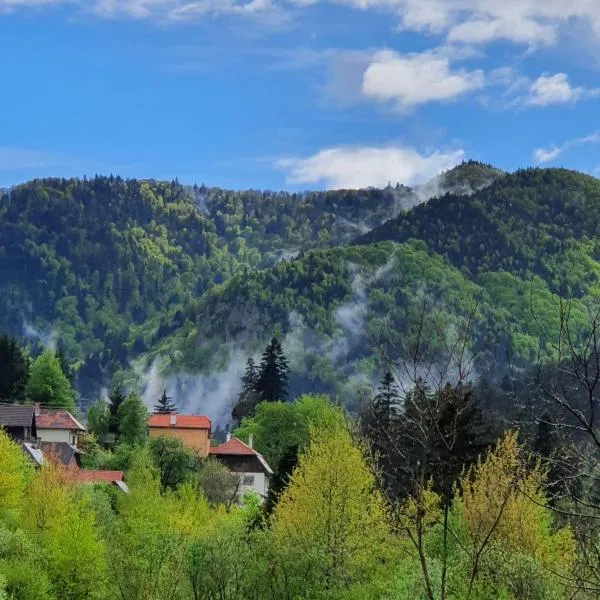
x: 190, y: 279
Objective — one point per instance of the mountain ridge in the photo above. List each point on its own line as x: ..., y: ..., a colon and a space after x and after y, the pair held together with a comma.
x: 127, y: 272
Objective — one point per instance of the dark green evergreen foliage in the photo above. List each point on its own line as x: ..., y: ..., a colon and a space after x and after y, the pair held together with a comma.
x: 274, y: 372
x: 385, y: 403
x: 164, y: 405
x: 378, y: 420
x: 518, y: 224
x: 281, y: 477
x: 249, y: 396
x: 64, y: 363
x: 116, y: 398
x: 433, y: 435
x: 14, y: 370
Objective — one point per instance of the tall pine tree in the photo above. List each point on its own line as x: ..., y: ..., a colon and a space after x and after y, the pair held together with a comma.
x: 116, y: 400
x: 274, y: 372
x: 64, y: 363
x: 14, y: 370
x: 164, y: 406
x: 378, y: 425
x: 385, y: 404
x: 249, y: 396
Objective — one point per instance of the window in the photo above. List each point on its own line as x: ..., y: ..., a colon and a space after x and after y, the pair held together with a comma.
x: 248, y: 480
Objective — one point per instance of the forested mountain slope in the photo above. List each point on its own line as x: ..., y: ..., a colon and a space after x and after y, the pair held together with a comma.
x: 536, y: 221
x: 192, y: 278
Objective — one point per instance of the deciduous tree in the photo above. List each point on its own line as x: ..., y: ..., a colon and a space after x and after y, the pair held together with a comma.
x: 48, y: 385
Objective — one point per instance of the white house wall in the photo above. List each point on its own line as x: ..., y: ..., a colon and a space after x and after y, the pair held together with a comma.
x: 261, y: 484
x: 55, y: 435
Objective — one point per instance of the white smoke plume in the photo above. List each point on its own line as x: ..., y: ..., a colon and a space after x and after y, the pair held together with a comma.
x: 211, y: 395
x: 49, y: 339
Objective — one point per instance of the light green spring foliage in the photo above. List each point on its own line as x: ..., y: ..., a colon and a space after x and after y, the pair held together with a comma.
x: 133, y: 419
x: 15, y: 472
x: 330, y: 526
x: 278, y: 425
x: 64, y: 528
x: 328, y: 538
x: 48, y: 385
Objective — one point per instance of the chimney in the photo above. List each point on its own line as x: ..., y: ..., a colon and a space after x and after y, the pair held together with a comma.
x: 250, y: 440
x: 228, y: 438
x: 36, y: 409
x: 173, y: 419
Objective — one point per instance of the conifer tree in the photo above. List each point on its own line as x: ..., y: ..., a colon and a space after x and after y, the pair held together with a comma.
x: 274, y: 371
x: 386, y: 401
x: 116, y: 400
x: 64, y: 363
x: 249, y: 396
x: 164, y: 406
x: 14, y: 370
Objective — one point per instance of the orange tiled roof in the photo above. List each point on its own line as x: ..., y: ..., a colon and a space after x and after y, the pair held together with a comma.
x: 51, y: 418
x: 92, y: 476
x: 182, y: 421
x: 234, y: 447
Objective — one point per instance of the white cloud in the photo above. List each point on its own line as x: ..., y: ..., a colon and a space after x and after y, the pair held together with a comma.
x: 527, y: 22
x: 361, y: 167
x: 148, y: 9
x: 554, y: 89
x: 546, y: 155
x: 415, y: 79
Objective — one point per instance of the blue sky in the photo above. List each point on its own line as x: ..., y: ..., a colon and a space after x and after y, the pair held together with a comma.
x: 296, y: 94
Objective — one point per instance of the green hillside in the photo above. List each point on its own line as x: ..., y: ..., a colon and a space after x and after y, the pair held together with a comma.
x: 126, y: 272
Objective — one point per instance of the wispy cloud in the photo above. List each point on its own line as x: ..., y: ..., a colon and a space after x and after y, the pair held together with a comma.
x: 474, y: 22
x: 21, y: 159
x: 17, y: 164
x: 359, y: 167
x: 170, y: 10
x: 546, y: 155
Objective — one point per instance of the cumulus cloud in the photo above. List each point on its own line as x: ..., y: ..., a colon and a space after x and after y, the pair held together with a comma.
x: 360, y: 167
x: 546, y: 155
x: 413, y: 79
x: 554, y: 89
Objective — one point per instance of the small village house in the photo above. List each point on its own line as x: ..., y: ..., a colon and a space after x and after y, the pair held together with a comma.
x: 59, y: 425
x: 19, y: 422
x: 247, y: 463
x: 59, y: 429
x: 193, y: 430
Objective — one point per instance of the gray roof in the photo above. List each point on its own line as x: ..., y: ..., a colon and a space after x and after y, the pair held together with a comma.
x: 34, y: 453
x: 16, y: 415
x: 61, y: 451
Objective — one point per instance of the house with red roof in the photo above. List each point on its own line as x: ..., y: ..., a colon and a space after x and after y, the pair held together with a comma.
x: 243, y: 460
x: 58, y: 425
x: 193, y: 430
